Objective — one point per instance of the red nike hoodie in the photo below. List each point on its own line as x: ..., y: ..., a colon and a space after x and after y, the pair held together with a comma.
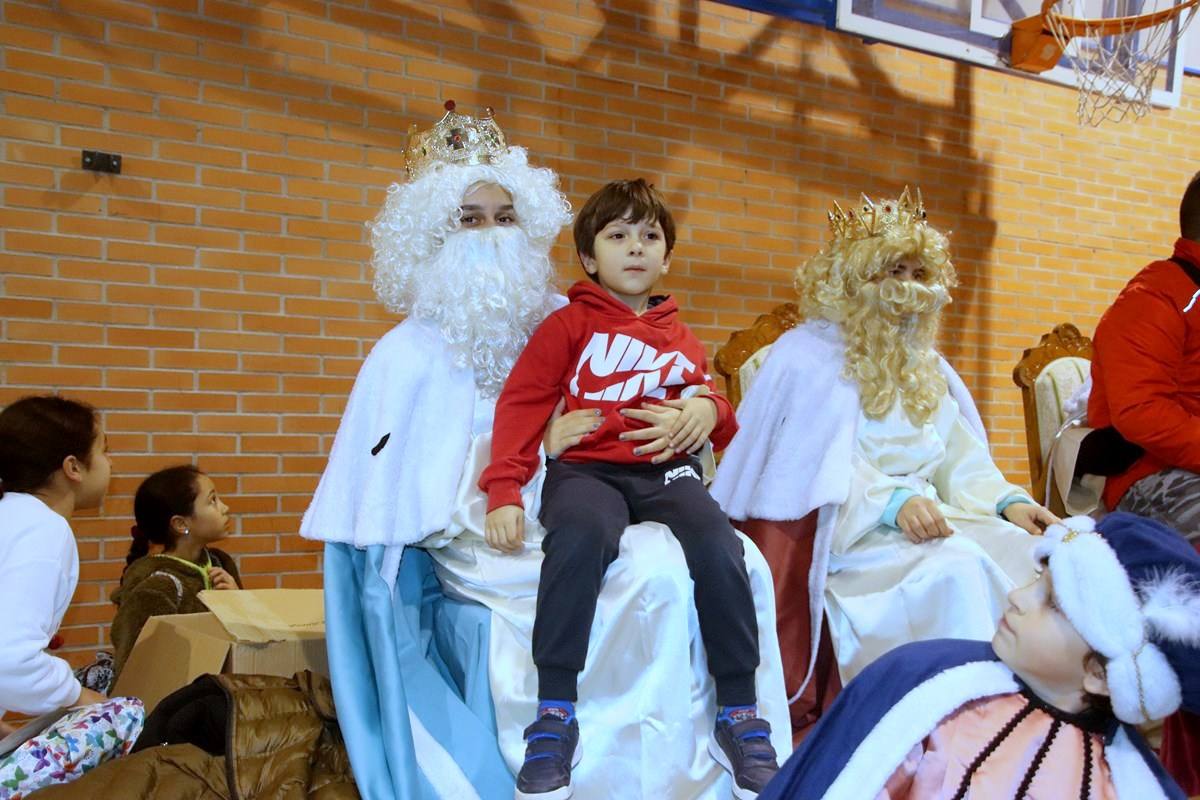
x: 597, y: 353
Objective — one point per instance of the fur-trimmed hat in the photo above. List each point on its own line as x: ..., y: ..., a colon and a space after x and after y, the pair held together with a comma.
x: 1131, y: 588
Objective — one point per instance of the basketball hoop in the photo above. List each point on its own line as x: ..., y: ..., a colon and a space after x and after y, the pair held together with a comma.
x: 1115, y: 56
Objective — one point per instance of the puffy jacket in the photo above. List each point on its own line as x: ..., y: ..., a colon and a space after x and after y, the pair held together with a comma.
x: 282, y: 743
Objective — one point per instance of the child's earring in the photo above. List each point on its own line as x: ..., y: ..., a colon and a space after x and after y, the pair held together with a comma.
x: 186, y: 532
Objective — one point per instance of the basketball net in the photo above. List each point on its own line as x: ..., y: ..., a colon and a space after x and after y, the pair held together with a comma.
x: 1116, y: 58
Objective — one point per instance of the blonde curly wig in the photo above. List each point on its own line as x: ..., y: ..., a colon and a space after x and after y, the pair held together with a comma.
x: 890, y: 326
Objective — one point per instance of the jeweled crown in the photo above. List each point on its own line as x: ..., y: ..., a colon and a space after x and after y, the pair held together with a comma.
x: 875, y: 219
x: 455, y: 139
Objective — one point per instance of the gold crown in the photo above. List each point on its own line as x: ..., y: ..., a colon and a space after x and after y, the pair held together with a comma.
x: 455, y: 139
x: 876, y: 219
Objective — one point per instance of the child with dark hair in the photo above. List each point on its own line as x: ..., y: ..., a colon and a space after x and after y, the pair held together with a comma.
x: 177, y: 508
x: 624, y: 354
x: 1107, y: 638
x: 53, y: 462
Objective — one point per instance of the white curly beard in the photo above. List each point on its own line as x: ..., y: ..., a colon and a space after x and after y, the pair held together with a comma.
x: 486, y: 290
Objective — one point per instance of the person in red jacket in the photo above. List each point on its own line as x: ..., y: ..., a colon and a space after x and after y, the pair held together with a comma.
x: 626, y: 355
x: 1146, y: 382
x: 1146, y: 388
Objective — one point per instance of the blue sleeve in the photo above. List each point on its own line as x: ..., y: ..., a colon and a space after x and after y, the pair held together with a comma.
x: 1011, y: 501
x: 899, y: 497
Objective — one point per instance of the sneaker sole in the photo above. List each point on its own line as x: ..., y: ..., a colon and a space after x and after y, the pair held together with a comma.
x: 562, y: 793
x: 719, y: 756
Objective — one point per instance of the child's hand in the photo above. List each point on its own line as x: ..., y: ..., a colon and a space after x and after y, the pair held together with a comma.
x: 568, y: 430
x: 221, y: 579
x: 660, y: 419
x: 1033, y: 518
x: 697, y: 418
x: 504, y: 528
x: 922, y: 520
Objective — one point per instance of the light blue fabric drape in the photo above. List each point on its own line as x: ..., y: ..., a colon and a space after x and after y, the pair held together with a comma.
x: 415, y: 650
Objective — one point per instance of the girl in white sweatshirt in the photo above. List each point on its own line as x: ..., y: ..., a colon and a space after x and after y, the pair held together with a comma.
x: 53, y: 462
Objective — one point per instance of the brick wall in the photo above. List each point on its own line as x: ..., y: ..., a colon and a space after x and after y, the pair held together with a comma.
x: 214, y: 299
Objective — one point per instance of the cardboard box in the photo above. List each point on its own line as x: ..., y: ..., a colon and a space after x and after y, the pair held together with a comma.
x: 248, y: 632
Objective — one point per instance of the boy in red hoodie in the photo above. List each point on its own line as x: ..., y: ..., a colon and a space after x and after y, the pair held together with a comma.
x: 624, y: 354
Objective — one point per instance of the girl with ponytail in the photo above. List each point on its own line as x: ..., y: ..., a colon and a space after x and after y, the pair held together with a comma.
x: 177, y: 509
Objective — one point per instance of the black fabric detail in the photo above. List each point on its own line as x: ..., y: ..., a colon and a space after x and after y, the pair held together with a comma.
x: 1191, y: 269
x: 1091, y: 720
x: 990, y: 748
x: 1106, y: 452
x: 195, y: 714
x: 375, y: 450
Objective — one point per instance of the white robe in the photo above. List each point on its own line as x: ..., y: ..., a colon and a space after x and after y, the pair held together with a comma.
x: 883, y: 590
x: 794, y: 454
x: 646, y: 701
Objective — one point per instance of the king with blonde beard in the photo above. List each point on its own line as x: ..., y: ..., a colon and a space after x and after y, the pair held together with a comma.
x: 857, y: 437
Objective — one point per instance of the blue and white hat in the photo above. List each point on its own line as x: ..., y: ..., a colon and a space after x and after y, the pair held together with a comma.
x: 1131, y: 587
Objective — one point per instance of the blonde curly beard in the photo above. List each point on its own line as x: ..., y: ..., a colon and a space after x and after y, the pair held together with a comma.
x: 891, y: 328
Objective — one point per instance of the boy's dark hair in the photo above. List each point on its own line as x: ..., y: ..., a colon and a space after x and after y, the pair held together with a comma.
x: 168, y: 493
x: 37, y: 434
x: 1097, y: 703
x: 1189, y: 210
x: 633, y: 200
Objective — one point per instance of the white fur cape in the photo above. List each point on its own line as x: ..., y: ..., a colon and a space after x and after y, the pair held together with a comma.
x: 791, y: 455
x: 398, y: 491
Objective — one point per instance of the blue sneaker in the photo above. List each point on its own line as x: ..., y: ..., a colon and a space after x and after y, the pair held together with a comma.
x: 551, y: 750
x: 744, y: 749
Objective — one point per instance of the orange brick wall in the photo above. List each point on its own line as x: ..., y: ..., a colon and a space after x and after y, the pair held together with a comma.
x: 214, y: 298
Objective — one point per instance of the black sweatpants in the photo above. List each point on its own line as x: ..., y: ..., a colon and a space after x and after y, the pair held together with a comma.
x: 585, y: 509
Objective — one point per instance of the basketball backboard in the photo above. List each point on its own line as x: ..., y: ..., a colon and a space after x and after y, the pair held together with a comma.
x: 976, y: 31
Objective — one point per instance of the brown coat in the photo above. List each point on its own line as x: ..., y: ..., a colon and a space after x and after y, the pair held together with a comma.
x: 154, y: 586
x: 283, y: 743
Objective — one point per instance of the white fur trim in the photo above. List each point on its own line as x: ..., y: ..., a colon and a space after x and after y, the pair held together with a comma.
x: 911, y: 720
x: 1143, y: 677
x: 1171, y: 605
x: 1131, y: 776
x: 817, y: 573
x: 1094, y: 592
x: 405, y: 490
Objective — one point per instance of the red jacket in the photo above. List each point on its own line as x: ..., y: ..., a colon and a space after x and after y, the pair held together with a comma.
x: 1146, y: 370
x: 596, y: 353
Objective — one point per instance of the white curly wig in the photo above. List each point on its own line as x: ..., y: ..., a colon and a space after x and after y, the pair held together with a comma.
x: 487, y: 289
x: 418, y: 216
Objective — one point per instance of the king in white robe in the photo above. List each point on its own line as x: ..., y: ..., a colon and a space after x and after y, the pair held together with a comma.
x: 805, y: 446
